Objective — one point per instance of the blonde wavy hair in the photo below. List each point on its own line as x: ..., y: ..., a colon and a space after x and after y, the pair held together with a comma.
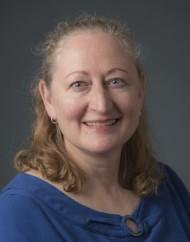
x: 139, y: 171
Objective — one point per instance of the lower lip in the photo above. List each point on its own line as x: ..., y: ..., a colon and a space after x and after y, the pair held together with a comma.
x: 102, y: 128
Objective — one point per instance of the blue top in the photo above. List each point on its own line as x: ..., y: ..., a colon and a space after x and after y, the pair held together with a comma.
x: 32, y: 210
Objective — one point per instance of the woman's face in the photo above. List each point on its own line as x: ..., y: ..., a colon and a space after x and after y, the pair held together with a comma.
x: 96, y: 95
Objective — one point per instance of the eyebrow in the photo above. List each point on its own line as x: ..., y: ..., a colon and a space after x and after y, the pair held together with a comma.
x: 111, y: 71
x: 116, y: 69
x: 77, y: 72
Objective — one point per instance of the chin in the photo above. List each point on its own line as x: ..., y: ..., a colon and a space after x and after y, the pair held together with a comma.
x: 102, y: 149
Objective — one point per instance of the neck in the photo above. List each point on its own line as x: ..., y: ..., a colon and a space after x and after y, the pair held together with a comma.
x: 101, y: 190
x: 101, y: 170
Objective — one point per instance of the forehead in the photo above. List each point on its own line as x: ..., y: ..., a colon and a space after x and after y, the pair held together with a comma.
x: 82, y: 41
x: 91, y: 49
x: 88, y: 35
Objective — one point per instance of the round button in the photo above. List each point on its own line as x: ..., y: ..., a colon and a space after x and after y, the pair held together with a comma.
x: 133, y: 227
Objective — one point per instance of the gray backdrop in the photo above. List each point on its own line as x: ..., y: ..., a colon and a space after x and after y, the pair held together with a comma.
x: 161, y: 27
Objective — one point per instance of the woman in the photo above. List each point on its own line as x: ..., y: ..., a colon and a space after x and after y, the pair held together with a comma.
x: 89, y: 174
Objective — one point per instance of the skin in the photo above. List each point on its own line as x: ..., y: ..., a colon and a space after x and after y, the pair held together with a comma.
x: 96, y: 97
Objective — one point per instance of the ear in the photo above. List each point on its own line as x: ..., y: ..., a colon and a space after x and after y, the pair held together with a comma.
x: 46, y: 96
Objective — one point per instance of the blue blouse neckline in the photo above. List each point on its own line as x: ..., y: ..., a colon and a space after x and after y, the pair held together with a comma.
x: 43, y: 192
x: 75, y: 204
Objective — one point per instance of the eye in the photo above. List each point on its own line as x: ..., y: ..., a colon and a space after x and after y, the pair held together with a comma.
x: 79, y: 85
x: 117, y: 82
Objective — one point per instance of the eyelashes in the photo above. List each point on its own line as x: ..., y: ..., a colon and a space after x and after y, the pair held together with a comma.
x: 81, y: 85
x: 117, y: 82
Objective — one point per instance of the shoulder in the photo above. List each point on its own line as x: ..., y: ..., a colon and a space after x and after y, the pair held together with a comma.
x: 17, y: 200
x: 16, y: 217
x: 20, y: 213
x: 174, y: 188
x: 173, y: 179
x: 13, y: 203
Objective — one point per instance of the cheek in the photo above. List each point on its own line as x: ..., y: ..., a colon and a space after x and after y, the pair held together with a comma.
x: 129, y: 104
x: 69, y: 110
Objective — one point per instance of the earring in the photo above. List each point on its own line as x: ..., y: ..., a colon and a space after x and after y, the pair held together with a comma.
x: 53, y: 120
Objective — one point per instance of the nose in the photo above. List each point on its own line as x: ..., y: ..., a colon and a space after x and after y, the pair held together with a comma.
x: 100, y: 100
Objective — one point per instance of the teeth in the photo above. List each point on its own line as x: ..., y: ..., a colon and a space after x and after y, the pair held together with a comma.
x: 101, y: 123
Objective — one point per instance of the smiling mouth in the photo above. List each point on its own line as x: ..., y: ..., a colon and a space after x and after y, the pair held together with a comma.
x: 101, y: 123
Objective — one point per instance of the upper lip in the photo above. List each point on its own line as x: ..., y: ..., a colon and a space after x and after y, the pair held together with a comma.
x: 100, y: 120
